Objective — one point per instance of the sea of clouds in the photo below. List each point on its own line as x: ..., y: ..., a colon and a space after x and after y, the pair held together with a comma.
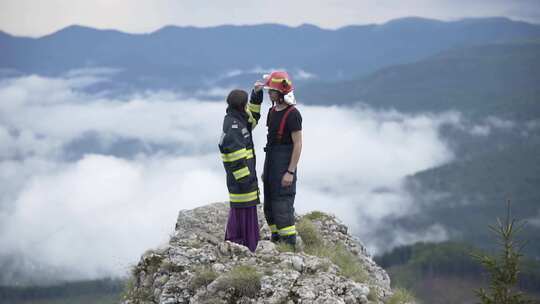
x: 88, y: 182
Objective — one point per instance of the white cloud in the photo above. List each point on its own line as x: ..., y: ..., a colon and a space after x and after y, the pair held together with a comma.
x: 214, y: 92
x: 220, y: 86
x: 52, y: 206
x: 48, y: 110
x: 96, y: 216
x: 487, y: 126
x: 500, y: 123
x: 304, y: 75
x: 481, y: 130
x: 535, y: 221
x: 434, y: 233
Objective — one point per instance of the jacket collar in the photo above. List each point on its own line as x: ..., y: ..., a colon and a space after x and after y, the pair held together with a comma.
x: 243, y: 116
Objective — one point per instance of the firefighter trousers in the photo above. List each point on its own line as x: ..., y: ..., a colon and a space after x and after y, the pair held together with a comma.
x: 279, y: 200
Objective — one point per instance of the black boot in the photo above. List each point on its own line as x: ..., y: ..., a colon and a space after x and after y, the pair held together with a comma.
x: 290, y: 240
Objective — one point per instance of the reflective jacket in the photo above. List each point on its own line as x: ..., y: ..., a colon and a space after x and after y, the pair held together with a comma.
x: 238, y: 155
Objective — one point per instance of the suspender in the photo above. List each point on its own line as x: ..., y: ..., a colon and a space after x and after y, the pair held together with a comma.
x: 281, y: 129
x: 282, y: 123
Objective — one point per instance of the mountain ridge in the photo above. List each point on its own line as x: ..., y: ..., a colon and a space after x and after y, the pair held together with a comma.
x: 497, y: 79
x: 188, y: 58
x: 392, y: 22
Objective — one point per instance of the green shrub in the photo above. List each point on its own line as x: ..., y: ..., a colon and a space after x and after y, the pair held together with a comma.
x: 202, y: 277
x: 150, y: 264
x: 169, y: 266
x: 245, y: 280
x: 309, y: 233
x: 348, y: 263
x: 316, y: 215
x: 130, y: 290
x: 136, y: 295
x: 322, y: 250
x: 128, y: 287
x: 504, y: 268
x: 372, y: 295
x: 402, y: 296
x: 284, y: 247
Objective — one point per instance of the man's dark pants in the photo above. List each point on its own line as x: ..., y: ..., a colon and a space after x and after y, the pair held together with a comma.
x: 279, y: 200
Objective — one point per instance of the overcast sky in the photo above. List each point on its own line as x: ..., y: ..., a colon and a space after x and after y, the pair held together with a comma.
x: 39, y: 17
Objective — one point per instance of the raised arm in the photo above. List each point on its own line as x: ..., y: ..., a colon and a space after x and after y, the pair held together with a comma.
x: 254, y: 105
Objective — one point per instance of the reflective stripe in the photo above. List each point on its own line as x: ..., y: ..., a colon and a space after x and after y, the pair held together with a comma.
x: 290, y: 230
x: 238, y: 174
x: 251, y: 120
x: 281, y: 80
x: 244, y: 197
x: 236, y: 155
x: 273, y: 228
x: 254, y: 107
x: 248, y: 154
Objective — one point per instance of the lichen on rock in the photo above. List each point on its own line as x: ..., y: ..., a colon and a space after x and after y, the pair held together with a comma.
x: 198, y: 266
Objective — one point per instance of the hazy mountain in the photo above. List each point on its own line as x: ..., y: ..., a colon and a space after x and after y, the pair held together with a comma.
x: 494, y: 79
x: 189, y: 57
x: 466, y: 196
x: 481, y: 67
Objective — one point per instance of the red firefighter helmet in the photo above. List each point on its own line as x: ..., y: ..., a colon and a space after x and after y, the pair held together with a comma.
x: 280, y: 81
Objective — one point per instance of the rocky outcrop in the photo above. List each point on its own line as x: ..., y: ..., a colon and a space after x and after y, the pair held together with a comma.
x: 197, y: 266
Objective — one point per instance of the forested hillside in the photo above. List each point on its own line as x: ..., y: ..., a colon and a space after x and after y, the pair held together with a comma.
x: 493, y: 79
x: 466, y: 196
x: 446, y: 272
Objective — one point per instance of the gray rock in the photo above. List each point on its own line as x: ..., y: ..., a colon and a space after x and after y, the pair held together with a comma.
x: 363, y: 299
x: 297, y: 263
x: 266, y: 248
x: 196, y: 267
x: 359, y: 290
x: 218, y: 267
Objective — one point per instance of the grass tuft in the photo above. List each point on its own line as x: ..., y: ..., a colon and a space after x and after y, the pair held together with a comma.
x: 316, y: 215
x: 136, y: 295
x: 284, y: 247
x: 244, y: 279
x: 309, y: 233
x: 372, y: 295
x: 202, y: 277
x: 402, y: 296
x: 350, y: 266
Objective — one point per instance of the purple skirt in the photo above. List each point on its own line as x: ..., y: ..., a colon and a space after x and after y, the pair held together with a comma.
x: 243, y: 227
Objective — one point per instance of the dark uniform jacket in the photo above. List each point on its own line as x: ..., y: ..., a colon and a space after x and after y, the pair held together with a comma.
x: 238, y: 155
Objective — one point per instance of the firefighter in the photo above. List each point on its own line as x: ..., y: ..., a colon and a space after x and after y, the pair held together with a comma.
x: 238, y: 155
x: 283, y: 148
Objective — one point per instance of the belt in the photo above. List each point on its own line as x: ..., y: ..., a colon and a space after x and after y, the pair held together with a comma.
x: 276, y: 148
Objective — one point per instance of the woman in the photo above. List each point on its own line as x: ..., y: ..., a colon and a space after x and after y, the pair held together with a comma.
x: 238, y: 155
